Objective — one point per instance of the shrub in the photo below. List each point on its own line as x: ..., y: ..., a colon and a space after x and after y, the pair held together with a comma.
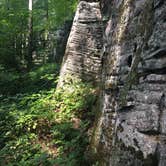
x: 46, y: 127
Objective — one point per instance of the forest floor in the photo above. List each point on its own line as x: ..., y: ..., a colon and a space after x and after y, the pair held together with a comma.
x: 41, y: 125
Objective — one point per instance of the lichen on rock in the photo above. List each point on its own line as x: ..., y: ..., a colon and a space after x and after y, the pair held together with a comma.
x: 82, y: 57
x: 122, y: 45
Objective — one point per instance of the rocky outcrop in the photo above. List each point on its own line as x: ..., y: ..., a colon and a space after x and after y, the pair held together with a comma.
x: 61, y: 36
x: 130, y: 61
x: 83, y: 51
x: 132, y: 127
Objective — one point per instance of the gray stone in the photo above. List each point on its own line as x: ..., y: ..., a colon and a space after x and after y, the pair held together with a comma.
x: 82, y: 57
x: 129, y: 60
x: 135, y: 37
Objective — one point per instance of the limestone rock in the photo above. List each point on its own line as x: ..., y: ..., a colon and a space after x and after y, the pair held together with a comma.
x: 129, y: 59
x: 136, y: 56
x: 83, y: 52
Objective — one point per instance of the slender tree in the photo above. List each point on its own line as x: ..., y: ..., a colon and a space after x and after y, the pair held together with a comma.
x: 30, y: 36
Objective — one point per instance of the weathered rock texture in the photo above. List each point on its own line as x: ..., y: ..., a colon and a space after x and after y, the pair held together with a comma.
x: 131, y: 130
x: 132, y: 127
x: 61, y: 36
x: 82, y: 56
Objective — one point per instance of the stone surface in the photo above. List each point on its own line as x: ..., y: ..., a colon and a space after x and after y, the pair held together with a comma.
x: 61, y: 40
x: 134, y: 78
x: 129, y: 59
x: 82, y: 57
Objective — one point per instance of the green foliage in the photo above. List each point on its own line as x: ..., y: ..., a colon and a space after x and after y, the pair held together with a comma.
x: 47, y: 16
x: 13, y: 23
x: 60, y: 11
x: 45, y: 127
x: 13, y: 82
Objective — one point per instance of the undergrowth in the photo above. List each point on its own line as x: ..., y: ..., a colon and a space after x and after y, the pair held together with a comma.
x: 41, y: 126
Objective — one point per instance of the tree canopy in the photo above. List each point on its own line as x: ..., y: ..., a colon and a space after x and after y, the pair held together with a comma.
x: 47, y: 16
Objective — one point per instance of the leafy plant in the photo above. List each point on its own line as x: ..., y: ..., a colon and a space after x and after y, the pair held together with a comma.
x: 46, y: 127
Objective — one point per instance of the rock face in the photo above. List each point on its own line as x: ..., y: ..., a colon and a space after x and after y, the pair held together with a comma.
x: 83, y: 51
x: 131, y: 130
x: 132, y: 127
x: 61, y: 36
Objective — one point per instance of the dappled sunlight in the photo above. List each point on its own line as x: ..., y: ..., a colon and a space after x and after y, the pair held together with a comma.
x: 47, y: 127
x: 40, y: 78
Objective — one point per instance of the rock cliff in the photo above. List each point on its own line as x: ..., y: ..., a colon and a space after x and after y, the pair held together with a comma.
x: 122, y: 44
x: 83, y: 51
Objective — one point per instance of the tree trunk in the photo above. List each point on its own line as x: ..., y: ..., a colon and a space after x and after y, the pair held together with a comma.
x: 7, y: 4
x: 30, y: 36
x: 46, y: 33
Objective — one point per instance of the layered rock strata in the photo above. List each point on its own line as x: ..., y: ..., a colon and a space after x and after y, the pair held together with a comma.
x: 129, y: 58
x: 82, y: 57
x: 132, y: 128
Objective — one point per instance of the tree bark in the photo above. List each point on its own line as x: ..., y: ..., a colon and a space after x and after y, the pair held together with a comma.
x: 46, y: 33
x: 30, y: 36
